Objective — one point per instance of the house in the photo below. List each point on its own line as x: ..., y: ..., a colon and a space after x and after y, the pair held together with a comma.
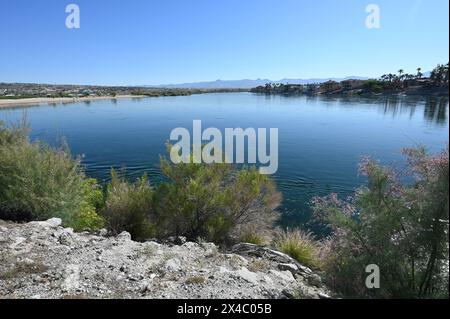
x: 86, y: 92
x: 352, y: 84
x: 294, y: 88
x: 330, y: 86
x: 312, y: 89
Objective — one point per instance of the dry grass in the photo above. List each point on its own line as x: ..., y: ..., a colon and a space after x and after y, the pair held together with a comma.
x: 299, y: 245
x: 23, y: 268
x: 252, y: 237
x: 195, y: 280
x: 259, y: 264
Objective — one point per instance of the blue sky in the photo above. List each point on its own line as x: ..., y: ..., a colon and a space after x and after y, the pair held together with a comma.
x: 138, y: 42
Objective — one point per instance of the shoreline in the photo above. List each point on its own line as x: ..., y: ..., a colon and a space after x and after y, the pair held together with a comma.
x: 6, y: 103
x: 36, y: 101
x: 382, y: 94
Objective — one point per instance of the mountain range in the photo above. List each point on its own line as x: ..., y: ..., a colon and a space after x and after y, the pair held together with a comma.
x: 248, y: 83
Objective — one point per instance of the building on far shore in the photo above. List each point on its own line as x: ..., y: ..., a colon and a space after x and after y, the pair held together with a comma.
x: 330, y: 86
x: 352, y: 84
x: 312, y: 88
x: 424, y: 82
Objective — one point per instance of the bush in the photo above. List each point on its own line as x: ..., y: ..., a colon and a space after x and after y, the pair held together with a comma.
x: 374, y: 86
x: 92, y: 202
x: 216, y: 202
x: 38, y: 182
x: 299, y: 245
x: 128, y: 207
x: 402, y: 228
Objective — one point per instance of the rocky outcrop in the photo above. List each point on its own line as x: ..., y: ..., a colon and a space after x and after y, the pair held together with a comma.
x: 44, y: 260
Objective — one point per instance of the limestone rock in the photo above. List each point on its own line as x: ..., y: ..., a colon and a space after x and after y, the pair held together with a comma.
x: 247, y: 275
x: 44, y: 260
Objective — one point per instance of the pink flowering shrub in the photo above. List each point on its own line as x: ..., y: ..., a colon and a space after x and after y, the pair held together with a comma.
x: 399, y: 221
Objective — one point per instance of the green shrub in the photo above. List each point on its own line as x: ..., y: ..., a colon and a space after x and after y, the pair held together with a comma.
x: 87, y: 218
x: 128, y: 207
x: 213, y: 201
x: 299, y: 245
x: 38, y: 182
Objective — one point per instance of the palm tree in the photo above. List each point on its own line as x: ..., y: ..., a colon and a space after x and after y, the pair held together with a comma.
x: 440, y: 74
x: 398, y: 79
x: 419, y: 73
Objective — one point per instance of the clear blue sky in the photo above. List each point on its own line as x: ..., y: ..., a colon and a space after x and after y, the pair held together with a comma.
x: 171, y: 41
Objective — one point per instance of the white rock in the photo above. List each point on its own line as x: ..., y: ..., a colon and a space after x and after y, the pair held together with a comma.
x: 100, y: 268
x: 284, y: 275
x: 223, y: 269
x: 247, y: 275
x: 19, y: 240
x: 28, y: 261
x: 72, y: 280
x: 124, y: 236
x: 50, y: 223
x: 173, y: 265
x: 54, y: 222
x: 323, y: 296
x: 267, y: 279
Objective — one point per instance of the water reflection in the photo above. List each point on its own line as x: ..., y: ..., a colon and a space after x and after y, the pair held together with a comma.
x: 434, y: 107
x: 435, y: 110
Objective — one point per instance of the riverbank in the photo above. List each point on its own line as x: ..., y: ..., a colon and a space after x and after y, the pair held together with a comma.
x: 7, y: 103
x: 316, y: 90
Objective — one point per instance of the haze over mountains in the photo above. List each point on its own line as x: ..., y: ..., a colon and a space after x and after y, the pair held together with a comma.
x: 248, y: 84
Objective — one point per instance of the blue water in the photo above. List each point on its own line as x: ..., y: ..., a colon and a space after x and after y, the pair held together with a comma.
x: 321, y: 139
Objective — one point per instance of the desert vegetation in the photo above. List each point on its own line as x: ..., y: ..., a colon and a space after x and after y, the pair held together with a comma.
x: 215, y: 202
x: 398, y: 221
x: 39, y: 182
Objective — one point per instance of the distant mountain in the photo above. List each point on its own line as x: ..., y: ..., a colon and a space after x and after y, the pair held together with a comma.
x: 219, y: 84
x: 248, y: 84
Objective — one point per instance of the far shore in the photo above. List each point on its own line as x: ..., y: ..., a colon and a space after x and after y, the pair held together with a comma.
x: 5, y: 103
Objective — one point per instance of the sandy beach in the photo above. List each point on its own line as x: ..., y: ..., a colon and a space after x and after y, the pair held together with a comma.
x: 45, y: 100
